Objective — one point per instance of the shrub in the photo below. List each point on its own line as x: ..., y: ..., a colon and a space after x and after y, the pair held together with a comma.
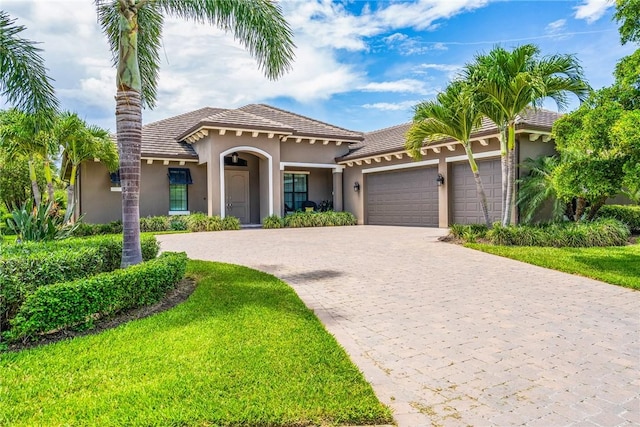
x: 629, y: 214
x: 468, y: 232
x: 273, y: 221
x: 603, y: 232
x: 155, y: 223
x: 4, y: 228
x: 319, y: 219
x: 79, y: 302
x: 230, y: 223
x: 178, y: 223
x: 83, y: 229
x: 26, y: 267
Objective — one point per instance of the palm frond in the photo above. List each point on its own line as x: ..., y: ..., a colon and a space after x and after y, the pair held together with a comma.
x: 257, y: 24
x: 23, y: 76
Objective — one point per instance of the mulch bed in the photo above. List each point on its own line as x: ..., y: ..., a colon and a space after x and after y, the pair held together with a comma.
x: 180, y: 293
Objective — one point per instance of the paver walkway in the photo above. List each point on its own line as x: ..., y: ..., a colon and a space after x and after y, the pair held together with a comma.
x: 449, y: 336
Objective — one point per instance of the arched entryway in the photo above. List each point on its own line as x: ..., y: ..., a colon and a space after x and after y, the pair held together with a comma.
x: 237, y: 179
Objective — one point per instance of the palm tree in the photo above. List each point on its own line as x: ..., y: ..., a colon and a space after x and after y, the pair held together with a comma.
x: 511, y: 82
x: 23, y: 77
x: 537, y: 188
x: 134, y: 31
x: 22, y: 134
x: 454, y: 114
x: 81, y: 143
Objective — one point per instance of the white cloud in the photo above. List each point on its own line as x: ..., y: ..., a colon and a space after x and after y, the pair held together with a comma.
x: 592, y: 10
x: 556, y: 26
x: 391, y: 106
x: 397, y: 86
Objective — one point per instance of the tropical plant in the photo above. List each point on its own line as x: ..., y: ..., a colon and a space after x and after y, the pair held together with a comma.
x: 628, y: 16
x: 80, y: 143
x: 537, y: 188
x: 454, y: 114
x: 34, y: 223
x: 23, y: 76
x: 510, y: 82
x: 134, y: 31
x: 29, y: 135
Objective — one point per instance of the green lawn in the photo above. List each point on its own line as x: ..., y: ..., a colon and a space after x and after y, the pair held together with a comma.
x: 243, y: 350
x: 619, y: 265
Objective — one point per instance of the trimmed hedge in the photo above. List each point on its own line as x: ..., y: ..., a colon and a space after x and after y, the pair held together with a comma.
x: 603, y: 232
x: 28, y: 266
x: 193, y: 222
x: 629, y: 214
x: 310, y: 219
x: 79, y: 302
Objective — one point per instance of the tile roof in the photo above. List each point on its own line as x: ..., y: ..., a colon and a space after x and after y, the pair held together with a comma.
x: 303, y: 126
x: 392, y: 139
x: 159, y: 138
x: 165, y: 138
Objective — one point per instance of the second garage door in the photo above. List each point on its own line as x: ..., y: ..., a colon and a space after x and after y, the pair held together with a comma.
x: 465, y: 204
x: 407, y: 197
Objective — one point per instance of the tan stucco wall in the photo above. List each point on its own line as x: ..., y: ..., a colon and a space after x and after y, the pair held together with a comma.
x: 305, y: 152
x: 100, y: 204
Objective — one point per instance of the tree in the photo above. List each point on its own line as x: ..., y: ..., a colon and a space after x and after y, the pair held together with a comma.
x: 80, y: 143
x: 510, y: 82
x: 23, y: 77
x: 22, y: 134
x: 15, y: 184
x: 592, y: 158
x: 628, y: 16
x: 452, y: 114
x: 537, y: 189
x: 134, y: 31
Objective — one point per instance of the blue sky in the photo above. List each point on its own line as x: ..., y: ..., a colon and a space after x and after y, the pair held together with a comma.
x: 359, y: 64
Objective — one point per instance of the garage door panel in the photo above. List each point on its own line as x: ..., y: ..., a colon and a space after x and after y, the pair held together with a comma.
x: 408, y: 197
x: 466, y: 207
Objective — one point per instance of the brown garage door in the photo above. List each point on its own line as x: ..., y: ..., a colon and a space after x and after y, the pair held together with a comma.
x: 407, y: 197
x: 465, y: 205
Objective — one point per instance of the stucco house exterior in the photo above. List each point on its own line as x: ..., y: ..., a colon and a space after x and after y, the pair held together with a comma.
x: 259, y: 160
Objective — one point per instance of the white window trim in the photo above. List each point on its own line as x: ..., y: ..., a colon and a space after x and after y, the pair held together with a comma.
x: 179, y: 212
x: 335, y: 167
x: 116, y: 189
x: 429, y: 162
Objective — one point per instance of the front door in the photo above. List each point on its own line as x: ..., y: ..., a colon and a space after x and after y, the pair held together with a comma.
x: 236, y: 189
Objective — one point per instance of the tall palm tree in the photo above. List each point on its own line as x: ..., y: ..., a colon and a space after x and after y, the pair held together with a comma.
x: 23, y: 76
x: 455, y: 114
x: 22, y: 134
x: 80, y: 143
x: 134, y: 30
x: 510, y: 82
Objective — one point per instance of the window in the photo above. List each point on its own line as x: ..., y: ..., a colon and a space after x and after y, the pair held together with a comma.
x: 178, y: 181
x: 296, y: 190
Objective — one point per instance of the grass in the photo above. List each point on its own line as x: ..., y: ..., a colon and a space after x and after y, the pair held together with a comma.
x: 243, y: 350
x: 617, y: 265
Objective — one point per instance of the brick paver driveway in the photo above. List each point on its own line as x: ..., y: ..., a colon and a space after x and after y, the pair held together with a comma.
x: 451, y: 336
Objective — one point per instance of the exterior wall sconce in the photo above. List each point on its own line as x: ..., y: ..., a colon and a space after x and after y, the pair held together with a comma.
x: 234, y: 158
x: 440, y: 180
x: 356, y: 186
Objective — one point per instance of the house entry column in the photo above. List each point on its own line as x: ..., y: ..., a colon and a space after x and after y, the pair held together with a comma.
x: 337, y: 189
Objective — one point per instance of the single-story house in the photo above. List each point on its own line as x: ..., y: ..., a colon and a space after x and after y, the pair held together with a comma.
x: 259, y: 160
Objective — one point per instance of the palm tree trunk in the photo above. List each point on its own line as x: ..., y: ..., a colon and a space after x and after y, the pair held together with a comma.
x: 71, y: 191
x: 37, y: 197
x: 129, y: 128
x: 511, y: 183
x: 505, y: 171
x: 482, y: 196
x: 49, y: 179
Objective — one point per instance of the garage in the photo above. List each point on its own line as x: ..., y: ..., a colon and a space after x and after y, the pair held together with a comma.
x: 406, y: 197
x: 465, y: 205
